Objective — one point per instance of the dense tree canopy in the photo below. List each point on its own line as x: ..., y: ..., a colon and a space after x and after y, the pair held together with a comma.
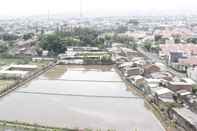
x: 28, y: 36
x: 53, y: 43
x: 9, y: 37
x: 3, y: 48
x: 57, y: 42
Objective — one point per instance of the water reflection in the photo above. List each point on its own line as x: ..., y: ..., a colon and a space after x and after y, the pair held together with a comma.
x: 60, y: 98
x: 56, y: 72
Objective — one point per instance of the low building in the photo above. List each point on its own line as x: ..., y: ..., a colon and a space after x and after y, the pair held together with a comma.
x: 162, y: 94
x: 180, y: 85
x: 188, y: 62
x: 185, y: 118
x: 131, y: 71
x: 190, y: 100
x: 38, y: 59
x: 45, y: 53
x: 168, y: 76
x: 151, y: 83
x: 192, y: 73
x: 150, y: 68
x: 126, y: 65
x: 138, y: 81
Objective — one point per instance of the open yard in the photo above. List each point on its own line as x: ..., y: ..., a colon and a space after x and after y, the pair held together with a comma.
x: 8, y: 61
x: 5, y: 83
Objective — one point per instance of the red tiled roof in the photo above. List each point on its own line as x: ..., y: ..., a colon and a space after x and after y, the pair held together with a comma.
x: 186, y: 48
x: 188, y: 61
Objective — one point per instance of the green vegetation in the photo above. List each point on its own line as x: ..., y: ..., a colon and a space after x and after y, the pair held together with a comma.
x: 194, y: 89
x: 56, y: 72
x: 152, y: 47
x: 5, y: 83
x: 17, y: 126
x: 57, y: 42
x: 40, y: 64
x: 9, y: 37
x: 95, y: 58
x: 3, y: 48
x: 12, y: 60
x: 28, y: 36
x: 147, y: 46
x: 54, y: 43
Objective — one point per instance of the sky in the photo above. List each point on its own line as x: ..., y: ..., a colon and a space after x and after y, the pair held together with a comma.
x: 96, y: 7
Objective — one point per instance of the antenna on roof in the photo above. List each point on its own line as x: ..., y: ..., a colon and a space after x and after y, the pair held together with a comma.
x: 48, y: 17
x: 81, y: 9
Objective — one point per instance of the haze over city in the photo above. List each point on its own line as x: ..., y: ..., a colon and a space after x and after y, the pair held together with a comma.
x: 98, y: 65
x: 97, y: 7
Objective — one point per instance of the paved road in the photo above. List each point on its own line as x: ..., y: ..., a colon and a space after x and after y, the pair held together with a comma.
x: 155, y: 58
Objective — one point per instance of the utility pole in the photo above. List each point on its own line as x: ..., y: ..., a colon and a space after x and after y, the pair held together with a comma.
x: 81, y: 9
x: 48, y: 15
x: 80, y: 19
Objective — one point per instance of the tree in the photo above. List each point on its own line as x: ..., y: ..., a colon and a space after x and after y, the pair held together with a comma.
x: 122, y: 29
x: 148, y: 46
x: 28, y: 36
x: 194, y: 89
x: 9, y: 37
x: 54, y: 43
x: 134, y: 22
x: 158, y: 37
x: 134, y: 46
x: 192, y: 40
x: 3, y: 48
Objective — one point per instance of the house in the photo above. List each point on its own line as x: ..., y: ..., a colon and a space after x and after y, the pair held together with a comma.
x: 192, y: 73
x: 130, y: 71
x: 120, y: 59
x: 138, y: 81
x: 150, y: 68
x: 37, y: 59
x: 189, y: 62
x: 180, y: 85
x: 184, y: 118
x: 126, y: 65
x: 162, y: 94
x: 190, y: 100
x: 176, y: 50
x: 45, y: 53
x: 151, y: 83
x: 168, y: 76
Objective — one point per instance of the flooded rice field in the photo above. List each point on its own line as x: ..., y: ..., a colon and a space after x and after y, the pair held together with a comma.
x: 79, y: 97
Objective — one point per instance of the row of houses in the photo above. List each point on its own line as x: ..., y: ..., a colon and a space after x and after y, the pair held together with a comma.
x: 162, y: 88
x: 181, y: 57
x: 84, y: 55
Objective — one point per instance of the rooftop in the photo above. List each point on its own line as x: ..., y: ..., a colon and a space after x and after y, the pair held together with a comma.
x: 187, y: 115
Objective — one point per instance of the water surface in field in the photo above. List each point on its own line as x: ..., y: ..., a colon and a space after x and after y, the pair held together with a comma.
x: 79, y: 97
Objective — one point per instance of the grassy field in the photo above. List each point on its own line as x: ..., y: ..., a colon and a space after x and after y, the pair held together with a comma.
x: 5, y: 83
x: 7, y: 61
x: 39, y: 64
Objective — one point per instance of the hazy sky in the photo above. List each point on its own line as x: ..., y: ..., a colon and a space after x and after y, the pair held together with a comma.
x: 95, y: 7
